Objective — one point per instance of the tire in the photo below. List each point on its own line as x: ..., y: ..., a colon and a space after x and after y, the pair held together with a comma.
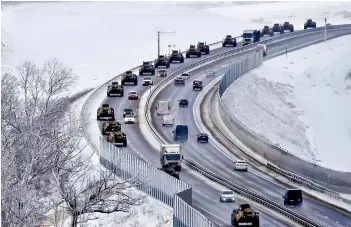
x: 208, y: 52
x: 223, y: 45
x: 122, y: 83
x: 168, y: 65
x: 136, y: 82
x: 98, y: 118
x: 108, y: 94
x: 156, y: 65
x: 187, y: 55
x: 124, y: 143
x: 153, y: 72
x: 122, y: 94
x: 305, y: 27
x: 282, y: 31
x: 182, y: 60
x: 141, y: 73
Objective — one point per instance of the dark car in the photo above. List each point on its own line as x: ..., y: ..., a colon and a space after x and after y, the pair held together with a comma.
x: 179, y: 80
x: 202, y: 138
x: 183, y: 103
x: 197, y: 85
x: 229, y: 41
x: 266, y: 31
x: 127, y: 112
x: 176, y: 56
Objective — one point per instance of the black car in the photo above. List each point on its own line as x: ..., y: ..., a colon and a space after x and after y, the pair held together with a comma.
x: 229, y: 40
x: 183, y: 103
x: 176, y: 56
x: 202, y: 138
x: 197, y: 85
x: 127, y: 112
x: 179, y: 80
x: 266, y: 31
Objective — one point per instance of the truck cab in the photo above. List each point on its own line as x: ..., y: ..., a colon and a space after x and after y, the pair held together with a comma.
x: 250, y: 36
x: 170, y: 156
x: 180, y: 133
x: 293, y: 197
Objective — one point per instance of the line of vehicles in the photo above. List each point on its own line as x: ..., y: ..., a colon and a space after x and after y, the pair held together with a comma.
x: 170, y: 154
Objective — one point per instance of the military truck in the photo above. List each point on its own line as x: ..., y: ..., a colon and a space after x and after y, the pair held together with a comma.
x: 310, y: 24
x: 176, y: 56
x: 162, y: 60
x: 287, y: 26
x: 203, y: 48
x: 115, y: 89
x: 266, y: 31
x: 105, y: 112
x: 277, y: 28
x: 129, y: 77
x: 229, y: 41
x: 147, y: 67
x: 245, y: 216
x: 111, y: 126
x: 117, y: 138
x: 193, y: 51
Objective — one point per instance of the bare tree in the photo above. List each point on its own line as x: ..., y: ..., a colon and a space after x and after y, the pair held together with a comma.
x: 37, y: 137
x: 103, y: 194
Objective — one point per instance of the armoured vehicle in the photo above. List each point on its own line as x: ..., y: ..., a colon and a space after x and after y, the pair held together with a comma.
x: 266, y: 31
x: 115, y: 89
x: 309, y: 24
x: 287, y: 26
x: 193, y: 51
x: 129, y: 77
x: 111, y: 126
x: 245, y: 216
x: 105, y: 112
x: 117, y: 138
x: 277, y: 28
x: 203, y: 48
x: 162, y: 60
x: 147, y: 67
x: 176, y: 56
x: 229, y: 41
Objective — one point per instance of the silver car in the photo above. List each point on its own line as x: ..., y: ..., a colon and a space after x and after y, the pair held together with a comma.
x: 227, y: 196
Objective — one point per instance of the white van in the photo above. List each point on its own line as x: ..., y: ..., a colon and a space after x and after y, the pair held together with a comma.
x: 163, y: 107
x: 240, y: 165
x: 185, y: 76
x: 167, y: 120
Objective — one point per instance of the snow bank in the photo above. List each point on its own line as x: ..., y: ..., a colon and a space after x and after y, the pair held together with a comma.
x: 301, y: 103
x: 102, y: 39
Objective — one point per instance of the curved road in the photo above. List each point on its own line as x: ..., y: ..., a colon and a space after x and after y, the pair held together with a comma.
x: 204, y: 195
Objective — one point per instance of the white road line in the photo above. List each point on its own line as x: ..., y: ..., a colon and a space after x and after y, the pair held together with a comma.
x: 201, y: 208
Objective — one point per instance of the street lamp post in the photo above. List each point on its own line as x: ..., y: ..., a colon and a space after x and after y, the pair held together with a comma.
x: 158, y: 40
x: 169, y: 49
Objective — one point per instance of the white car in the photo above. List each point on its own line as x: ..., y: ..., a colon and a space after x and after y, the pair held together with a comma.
x: 240, y: 165
x: 167, y: 120
x: 185, y: 76
x: 148, y: 81
x: 129, y: 119
x: 227, y: 196
x: 210, y: 73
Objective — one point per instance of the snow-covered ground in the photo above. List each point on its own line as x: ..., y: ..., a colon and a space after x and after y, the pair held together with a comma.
x: 301, y: 102
x: 102, y: 39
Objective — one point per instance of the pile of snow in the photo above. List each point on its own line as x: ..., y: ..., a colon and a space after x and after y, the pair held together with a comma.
x: 102, y: 39
x: 301, y: 103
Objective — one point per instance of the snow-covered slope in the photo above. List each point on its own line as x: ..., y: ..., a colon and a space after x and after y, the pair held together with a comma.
x: 301, y: 102
x: 102, y: 39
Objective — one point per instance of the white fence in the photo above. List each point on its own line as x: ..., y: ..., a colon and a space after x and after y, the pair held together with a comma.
x: 161, y: 186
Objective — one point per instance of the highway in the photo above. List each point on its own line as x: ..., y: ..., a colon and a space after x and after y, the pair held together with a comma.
x: 205, y: 196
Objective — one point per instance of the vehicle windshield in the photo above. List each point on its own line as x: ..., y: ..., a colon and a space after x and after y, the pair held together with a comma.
x: 173, y: 156
x: 247, y: 35
x: 105, y: 105
x: 133, y: 92
x: 183, y: 101
x: 294, y: 194
x: 128, y: 110
x: 181, y: 130
x: 201, y: 44
x: 129, y: 116
x: 146, y: 63
x: 227, y: 193
x: 147, y: 78
x: 162, y: 71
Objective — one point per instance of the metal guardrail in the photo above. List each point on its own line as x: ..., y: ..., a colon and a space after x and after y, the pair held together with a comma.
x: 181, y: 208
x: 302, y: 220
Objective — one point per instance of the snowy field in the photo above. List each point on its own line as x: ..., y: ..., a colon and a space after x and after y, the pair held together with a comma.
x: 102, y: 39
x: 302, y: 102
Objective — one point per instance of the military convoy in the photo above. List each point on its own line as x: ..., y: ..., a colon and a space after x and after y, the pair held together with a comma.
x: 115, y: 89
x: 245, y: 216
